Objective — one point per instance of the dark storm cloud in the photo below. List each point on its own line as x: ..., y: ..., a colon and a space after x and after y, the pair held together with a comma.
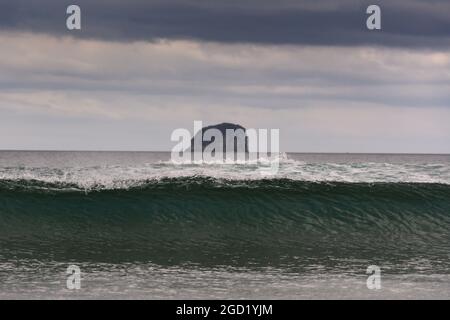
x: 409, y: 23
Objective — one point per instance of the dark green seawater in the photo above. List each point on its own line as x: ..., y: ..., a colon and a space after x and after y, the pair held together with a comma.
x: 141, y: 227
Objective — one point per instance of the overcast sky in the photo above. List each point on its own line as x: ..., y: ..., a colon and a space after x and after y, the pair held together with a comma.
x: 139, y: 69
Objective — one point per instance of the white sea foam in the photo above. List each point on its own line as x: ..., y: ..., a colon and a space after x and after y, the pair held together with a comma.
x: 120, y: 177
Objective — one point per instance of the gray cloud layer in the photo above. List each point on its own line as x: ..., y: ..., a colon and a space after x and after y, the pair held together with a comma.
x: 332, y: 86
x: 408, y: 23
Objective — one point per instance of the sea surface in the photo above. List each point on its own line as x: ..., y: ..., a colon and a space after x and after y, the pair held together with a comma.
x: 140, y: 227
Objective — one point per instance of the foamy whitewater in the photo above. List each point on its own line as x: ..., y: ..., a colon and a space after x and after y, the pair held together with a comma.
x: 113, y: 176
x: 139, y: 226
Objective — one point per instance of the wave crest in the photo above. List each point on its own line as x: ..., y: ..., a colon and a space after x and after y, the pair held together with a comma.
x: 125, y: 177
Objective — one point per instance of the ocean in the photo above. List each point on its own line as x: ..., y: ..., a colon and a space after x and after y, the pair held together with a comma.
x: 140, y: 227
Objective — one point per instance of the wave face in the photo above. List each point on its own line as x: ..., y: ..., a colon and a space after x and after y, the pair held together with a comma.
x: 211, y: 221
x: 319, y: 212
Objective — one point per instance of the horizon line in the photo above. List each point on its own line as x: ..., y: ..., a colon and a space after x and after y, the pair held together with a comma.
x: 294, y: 152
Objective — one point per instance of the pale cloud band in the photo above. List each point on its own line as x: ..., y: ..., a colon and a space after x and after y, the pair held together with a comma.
x: 61, y: 92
